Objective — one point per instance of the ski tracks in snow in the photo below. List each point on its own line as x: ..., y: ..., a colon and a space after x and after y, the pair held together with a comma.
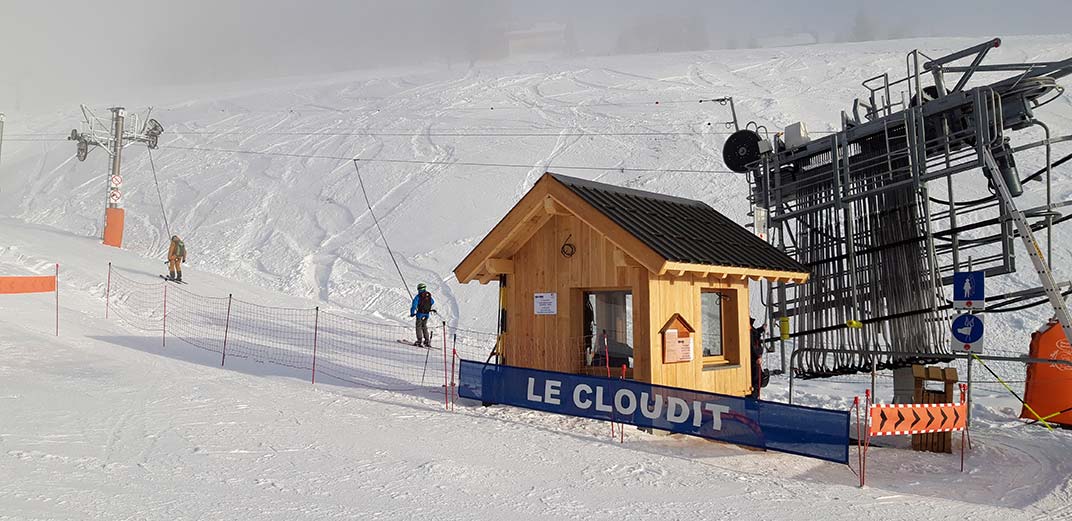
x: 354, y: 242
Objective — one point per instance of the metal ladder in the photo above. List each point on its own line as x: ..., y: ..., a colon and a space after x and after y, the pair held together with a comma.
x: 1045, y: 275
x: 1049, y: 286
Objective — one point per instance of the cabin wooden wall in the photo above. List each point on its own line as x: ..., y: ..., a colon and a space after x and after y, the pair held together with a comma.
x: 554, y: 342
x: 681, y: 294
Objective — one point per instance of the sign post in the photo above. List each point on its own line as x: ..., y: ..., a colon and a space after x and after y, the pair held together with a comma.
x: 969, y: 293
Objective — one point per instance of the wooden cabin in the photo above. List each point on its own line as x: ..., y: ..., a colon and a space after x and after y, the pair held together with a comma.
x: 594, y: 276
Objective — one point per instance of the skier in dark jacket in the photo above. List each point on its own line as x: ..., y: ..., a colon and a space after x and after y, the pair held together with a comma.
x: 421, y: 308
x: 756, y: 353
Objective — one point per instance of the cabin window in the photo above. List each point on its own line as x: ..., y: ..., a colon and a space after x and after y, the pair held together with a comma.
x: 711, y: 308
x: 720, y: 328
x: 608, y: 328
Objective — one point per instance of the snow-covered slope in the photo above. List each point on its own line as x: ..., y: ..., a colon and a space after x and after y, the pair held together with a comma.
x: 300, y: 225
x: 102, y: 423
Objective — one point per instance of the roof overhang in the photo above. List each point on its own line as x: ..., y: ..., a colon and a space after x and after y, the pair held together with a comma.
x: 549, y: 197
x: 731, y: 272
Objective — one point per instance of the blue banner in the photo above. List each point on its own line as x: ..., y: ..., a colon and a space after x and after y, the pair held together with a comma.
x: 805, y: 431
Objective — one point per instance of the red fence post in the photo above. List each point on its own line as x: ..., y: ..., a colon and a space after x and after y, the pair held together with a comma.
x: 163, y: 334
x: 316, y: 328
x: 606, y: 353
x: 57, y: 299
x: 446, y: 390
x: 108, y: 292
x: 226, y: 329
x: 453, y: 356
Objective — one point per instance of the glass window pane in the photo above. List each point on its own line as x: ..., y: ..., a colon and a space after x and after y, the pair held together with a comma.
x: 608, y: 327
x: 711, y: 307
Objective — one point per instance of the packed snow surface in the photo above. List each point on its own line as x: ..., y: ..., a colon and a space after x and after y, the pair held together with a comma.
x: 103, y: 422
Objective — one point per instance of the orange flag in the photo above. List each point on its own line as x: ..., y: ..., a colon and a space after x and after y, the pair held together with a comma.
x: 11, y: 285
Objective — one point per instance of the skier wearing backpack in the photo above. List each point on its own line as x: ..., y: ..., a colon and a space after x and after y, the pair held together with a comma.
x: 421, y: 308
x: 176, y: 256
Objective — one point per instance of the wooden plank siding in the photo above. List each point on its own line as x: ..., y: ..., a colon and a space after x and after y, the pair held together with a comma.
x: 553, y: 342
x: 668, y: 295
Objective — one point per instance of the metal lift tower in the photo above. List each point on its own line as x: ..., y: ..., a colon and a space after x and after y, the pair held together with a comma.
x: 113, y: 138
x: 858, y: 208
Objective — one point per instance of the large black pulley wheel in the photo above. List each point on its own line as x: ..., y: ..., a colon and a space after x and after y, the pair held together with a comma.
x: 742, y: 149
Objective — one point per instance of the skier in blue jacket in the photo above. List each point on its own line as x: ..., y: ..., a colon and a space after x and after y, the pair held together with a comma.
x: 421, y: 308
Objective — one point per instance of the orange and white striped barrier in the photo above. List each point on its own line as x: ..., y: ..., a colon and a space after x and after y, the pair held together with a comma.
x: 917, y: 418
x: 903, y: 419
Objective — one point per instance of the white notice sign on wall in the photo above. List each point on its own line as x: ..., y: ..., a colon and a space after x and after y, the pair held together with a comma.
x: 545, y: 303
x: 675, y: 348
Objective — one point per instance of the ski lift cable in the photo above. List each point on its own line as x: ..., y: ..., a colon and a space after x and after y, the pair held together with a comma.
x: 476, y: 125
x: 475, y: 133
x: 454, y: 132
x: 159, y: 196
x: 450, y: 163
x: 35, y: 140
x: 480, y: 107
x: 443, y: 132
x: 382, y: 235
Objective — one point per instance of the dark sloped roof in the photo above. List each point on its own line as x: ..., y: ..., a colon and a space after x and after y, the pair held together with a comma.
x: 682, y: 230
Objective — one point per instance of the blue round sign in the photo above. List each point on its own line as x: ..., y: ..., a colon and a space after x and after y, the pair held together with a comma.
x: 967, y: 328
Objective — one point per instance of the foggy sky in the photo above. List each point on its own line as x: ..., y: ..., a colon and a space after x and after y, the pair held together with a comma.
x: 65, y: 51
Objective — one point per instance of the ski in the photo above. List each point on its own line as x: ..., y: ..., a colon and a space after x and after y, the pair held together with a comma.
x: 411, y: 344
x: 169, y: 279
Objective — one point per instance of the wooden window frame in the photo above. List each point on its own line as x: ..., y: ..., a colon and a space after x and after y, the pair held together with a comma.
x: 577, y: 299
x: 727, y: 315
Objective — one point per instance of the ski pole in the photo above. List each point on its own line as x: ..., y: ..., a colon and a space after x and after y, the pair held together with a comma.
x: 425, y: 370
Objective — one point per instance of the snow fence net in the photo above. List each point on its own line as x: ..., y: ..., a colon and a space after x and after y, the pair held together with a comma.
x: 368, y: 353
x: 329, y: 345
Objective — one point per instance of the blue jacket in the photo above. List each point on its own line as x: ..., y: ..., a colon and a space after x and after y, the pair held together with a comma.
x: 416, y: 300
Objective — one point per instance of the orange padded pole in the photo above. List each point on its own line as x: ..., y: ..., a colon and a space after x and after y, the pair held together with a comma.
x: 113, y: 227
